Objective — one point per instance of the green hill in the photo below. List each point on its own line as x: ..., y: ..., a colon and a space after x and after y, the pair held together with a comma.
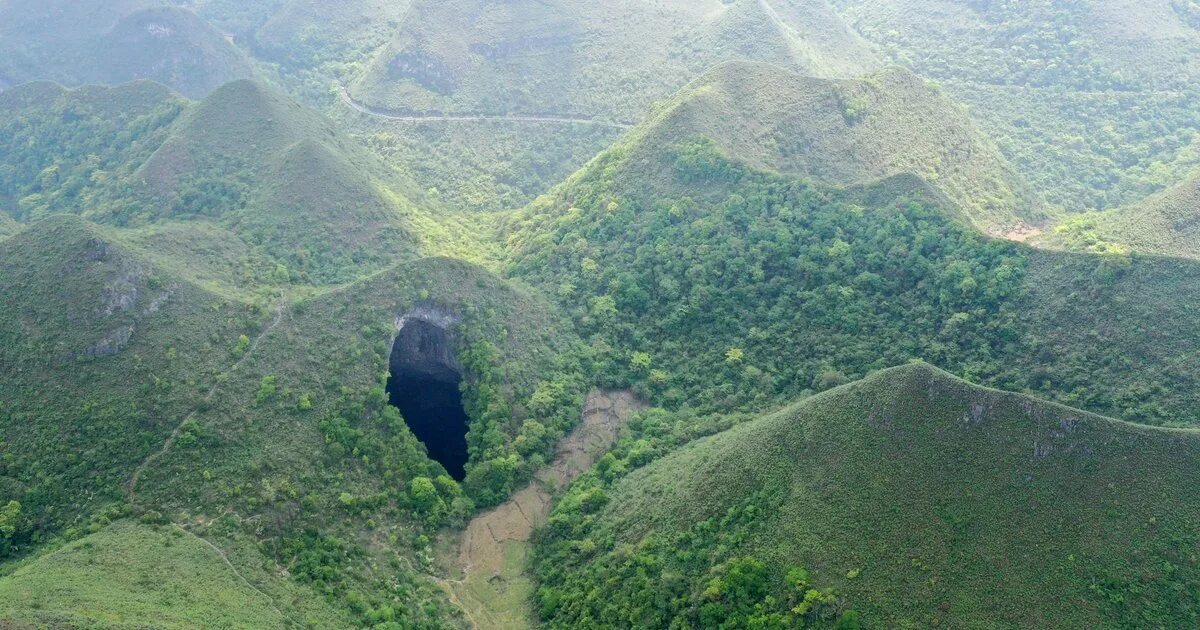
x: 606, y: 60
x: 171, y: 46
x: 101, y: 350
x: 733, y: 208
x: 236, y: 182
x: 846, y: 132
x: 269, y: 171
x: 1164, y: 224
x: 268, y: 426
x: 137, y: 576
x: 911, y: 497
x: 105, y: 42
x: 1093, y: 102
x: 708, y: 283
x: 64, y: 150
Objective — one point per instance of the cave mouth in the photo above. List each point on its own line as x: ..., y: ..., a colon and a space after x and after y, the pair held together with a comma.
x: 424, y: 386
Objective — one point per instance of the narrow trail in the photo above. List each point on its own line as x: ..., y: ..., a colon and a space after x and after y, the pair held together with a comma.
x: 225, y: 558
x: 492, y: 553
x: 137, y: 473
x: 131, y: 486
x: 531, y: 118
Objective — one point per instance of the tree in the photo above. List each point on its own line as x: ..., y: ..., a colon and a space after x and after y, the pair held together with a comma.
x: 10, y: 526
x: 266, y: 389
x: 424, y: 494
x: 10, y: 518
x: 243, y: 342
x: 640, y: 362
x: 604, y: 307
x: 829, y: 379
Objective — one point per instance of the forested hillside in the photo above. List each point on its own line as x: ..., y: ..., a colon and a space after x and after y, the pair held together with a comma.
x: 909, y: 498
x: 687, y: 313
x: 1094, y: 102
x: 845, y: 133
x: 1163, y: 224
x: 713, y: 285
x: 235, y: 182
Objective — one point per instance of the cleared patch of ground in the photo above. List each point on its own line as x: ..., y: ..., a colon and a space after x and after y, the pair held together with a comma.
x: 1021, y: 233
x: 487, y: 561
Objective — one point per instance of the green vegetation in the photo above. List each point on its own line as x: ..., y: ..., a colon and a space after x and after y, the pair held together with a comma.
x: 63, y: 150
x: 98, y: 41
x: 8, y: 226
x: 752, y: 289
x: 133, y: 575
x: 201, y: 299
x: 480, y: 167
x: 1093, y: 102
x: 747, y: 290
x: 1164, y: 224
x: 911, y: 497
x: 277, y: 422
x: 843, y: 133
x: 609, y: 60
x: 234, y: 183
x: 103, y: 355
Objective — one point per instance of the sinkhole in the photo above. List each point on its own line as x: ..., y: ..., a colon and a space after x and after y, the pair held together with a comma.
x: 423, y: 385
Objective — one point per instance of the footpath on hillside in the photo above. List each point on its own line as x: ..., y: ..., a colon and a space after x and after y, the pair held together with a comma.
x: 488, y: 561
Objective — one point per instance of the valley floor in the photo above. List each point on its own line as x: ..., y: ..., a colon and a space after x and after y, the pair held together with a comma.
x: 488, y: 560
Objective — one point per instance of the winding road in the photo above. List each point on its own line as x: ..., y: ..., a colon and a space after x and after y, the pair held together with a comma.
x: 529, y: 118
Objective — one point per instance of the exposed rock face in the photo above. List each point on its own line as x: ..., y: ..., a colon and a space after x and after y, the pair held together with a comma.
x: 424, y: 347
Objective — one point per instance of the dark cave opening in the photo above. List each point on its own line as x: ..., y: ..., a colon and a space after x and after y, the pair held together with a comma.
x: 424, y: 386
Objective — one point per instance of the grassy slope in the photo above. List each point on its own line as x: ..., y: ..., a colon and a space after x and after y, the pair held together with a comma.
x: 1163, y: 224
x: 172, y: 46
x: 244, y: 465
x: 609, y: 60
x: 953, y: 505
x: 1093, y: 102
x: 480, y: 167
x: 74, y: 43
x: 701, y: 254
x: 234, y: 184
x: 135, y: 576
x: 846, y: 132
x: 102, y: 350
